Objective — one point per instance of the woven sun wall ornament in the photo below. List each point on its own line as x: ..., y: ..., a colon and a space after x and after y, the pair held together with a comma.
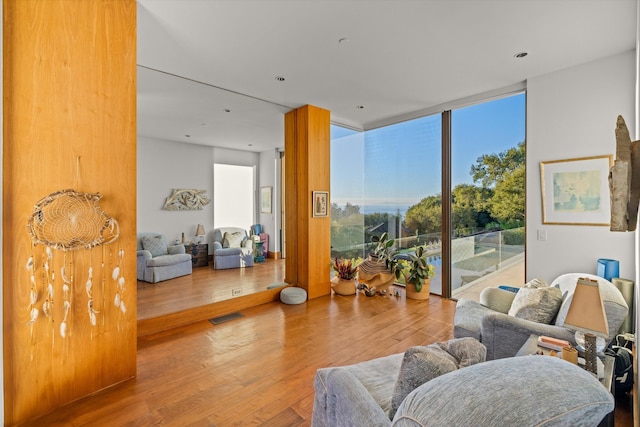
x: 186, y: 200
x: 69, y: 221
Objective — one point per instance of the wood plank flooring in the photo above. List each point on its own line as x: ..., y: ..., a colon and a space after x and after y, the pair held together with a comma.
x: 259, y: 369
x: 205, y: 286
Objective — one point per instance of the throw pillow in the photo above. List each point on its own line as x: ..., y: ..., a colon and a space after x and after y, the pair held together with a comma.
x: 232, y: 240
x: 535, y: 284
x: 419, y: 365
x: 468, y: 351
x: 539, y: 305
x: 154, y: 244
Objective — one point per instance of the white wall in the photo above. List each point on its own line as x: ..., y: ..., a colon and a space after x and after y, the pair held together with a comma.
x: 572, y: 113
x: 163, y: 166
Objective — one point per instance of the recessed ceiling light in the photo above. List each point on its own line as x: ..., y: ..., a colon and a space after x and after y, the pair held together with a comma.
x: 250, y: 145
x: 226, y: 110
x: 280, y: 78
x: 360, y: 107
x: 343, y: 40
x: 520, y: 55
x: 188, y: 136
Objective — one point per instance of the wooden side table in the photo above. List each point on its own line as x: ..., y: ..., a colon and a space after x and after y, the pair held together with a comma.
x: 199, y: 253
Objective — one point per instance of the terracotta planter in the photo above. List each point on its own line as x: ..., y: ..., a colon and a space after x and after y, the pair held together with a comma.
x: 422, y: 295
x: 343, y: 287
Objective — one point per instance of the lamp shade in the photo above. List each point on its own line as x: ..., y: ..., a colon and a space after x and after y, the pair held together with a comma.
x: 200, y: 230
x: 586, y: 312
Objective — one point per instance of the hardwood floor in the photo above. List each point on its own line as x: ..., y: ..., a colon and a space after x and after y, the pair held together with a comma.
x: 205, y: 286
x: 204, y: 294
x: 259, y: 369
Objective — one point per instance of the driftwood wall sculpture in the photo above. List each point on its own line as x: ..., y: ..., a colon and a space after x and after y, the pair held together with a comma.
x: 624, y: 180
x: 186, y: 200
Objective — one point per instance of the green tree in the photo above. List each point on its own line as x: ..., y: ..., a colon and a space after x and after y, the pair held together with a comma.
x: 470, y: 208
x: 505, y: 174
x: 426, y: 216
x: 508, y: 202
x: 493, y: 168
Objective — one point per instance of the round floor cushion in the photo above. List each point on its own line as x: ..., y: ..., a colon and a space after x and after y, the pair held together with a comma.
x: 293, y: 295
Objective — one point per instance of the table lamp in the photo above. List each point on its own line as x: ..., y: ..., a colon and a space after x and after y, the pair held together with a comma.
x: 200, y: 232
x: 586, y: 316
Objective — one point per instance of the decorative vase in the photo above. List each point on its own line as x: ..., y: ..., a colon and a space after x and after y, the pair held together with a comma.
x: 422, y: 295
x: 342, y: 286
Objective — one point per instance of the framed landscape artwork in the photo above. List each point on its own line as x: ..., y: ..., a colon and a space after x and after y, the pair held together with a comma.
x: 320, y: 203
x: 576, y: 191
x: 265, y: 199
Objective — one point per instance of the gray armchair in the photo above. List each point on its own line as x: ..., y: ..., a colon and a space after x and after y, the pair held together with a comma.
x: 503, y: 335
x: 158, y: 261
x: 232, y: 248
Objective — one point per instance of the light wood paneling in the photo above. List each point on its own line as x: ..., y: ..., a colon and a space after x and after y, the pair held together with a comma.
x: 69, y: 113
x: 307, y: 144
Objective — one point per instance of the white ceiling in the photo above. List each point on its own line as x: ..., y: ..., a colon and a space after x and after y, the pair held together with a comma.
x: 199, y: 57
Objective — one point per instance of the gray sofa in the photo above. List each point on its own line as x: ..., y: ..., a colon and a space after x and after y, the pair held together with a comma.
x: 519, y: 391
x: 158, y: 261
x: 229, y: 253
x: 489, y: 322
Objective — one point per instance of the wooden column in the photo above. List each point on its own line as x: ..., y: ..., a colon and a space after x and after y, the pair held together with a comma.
x: 308, y: 238
x: 69, y: 111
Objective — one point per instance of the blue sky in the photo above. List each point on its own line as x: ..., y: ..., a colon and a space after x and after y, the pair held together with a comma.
x: 402, y: 163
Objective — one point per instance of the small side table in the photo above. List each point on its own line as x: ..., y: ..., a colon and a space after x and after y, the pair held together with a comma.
x: 199, y: 253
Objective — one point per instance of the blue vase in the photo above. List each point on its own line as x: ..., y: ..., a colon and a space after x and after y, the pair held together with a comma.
x: 608, y: 268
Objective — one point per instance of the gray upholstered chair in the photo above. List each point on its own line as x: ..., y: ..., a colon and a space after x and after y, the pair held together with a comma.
x: 489, y: 322
x: 157, y: 260
x: 232, y: 248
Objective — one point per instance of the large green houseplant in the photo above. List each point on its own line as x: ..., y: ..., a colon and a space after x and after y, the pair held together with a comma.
x: 418, y: 274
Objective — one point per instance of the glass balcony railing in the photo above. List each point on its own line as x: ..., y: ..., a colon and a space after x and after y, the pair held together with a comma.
x: 477, y: 258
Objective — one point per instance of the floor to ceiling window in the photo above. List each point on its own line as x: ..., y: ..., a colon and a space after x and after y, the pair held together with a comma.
x: 487, y: 191
x: 389, y: 180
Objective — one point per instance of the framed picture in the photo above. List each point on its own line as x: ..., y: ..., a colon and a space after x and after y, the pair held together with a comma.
x: 576, y: 191
x: 265, y: 199
x: 320, y: 203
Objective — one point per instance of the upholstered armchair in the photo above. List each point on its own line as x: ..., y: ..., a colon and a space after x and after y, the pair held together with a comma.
x: 157, y: 260
x: 232, y: 248
x: 503, y: 334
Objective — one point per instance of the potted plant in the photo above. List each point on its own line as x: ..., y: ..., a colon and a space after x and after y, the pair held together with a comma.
x: 344, y: 281
x: 418, y: 275
x: 382, y: 268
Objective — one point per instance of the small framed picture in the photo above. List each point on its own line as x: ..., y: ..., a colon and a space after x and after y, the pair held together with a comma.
x: 320, y: 203
x: 265, y: 199
x: 576, y: 191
